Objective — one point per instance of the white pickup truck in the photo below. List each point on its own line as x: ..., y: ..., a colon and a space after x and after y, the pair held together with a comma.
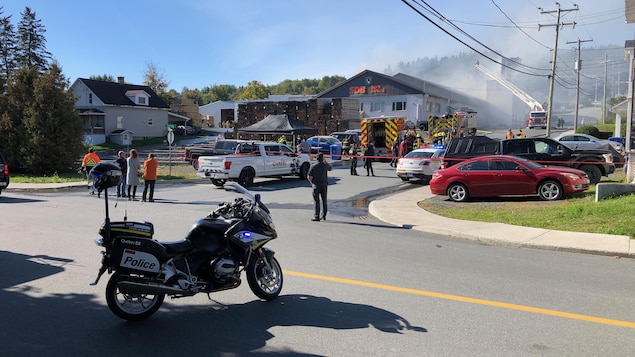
x: 254, y: 159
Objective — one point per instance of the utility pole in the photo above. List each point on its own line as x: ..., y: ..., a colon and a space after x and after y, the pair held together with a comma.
x: 557, y: 25
x: 578, y: 68
x: 604, y: 114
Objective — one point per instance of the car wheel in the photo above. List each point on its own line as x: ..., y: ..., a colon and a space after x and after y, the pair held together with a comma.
x: 195, y: 164
x: 458, y: 192
x: 405, y: 179
x: 550, y: 190
x: 246, y: 177
x: 594, y: 173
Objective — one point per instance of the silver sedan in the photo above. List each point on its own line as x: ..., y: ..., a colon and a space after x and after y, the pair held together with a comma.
x: 419, y: 164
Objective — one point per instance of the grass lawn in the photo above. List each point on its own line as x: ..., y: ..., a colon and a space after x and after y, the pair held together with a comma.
x: 579, y: 213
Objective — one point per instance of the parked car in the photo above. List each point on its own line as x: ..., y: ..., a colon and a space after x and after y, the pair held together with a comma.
x: 419, y: 164
x: 217, y: 147
x: 4, y: 174
x: 185, y: 129
x: 322, y: 143
x: 503, y: 175
x: 342, y: 135
x: 596, y: 163
x: 587, y: 142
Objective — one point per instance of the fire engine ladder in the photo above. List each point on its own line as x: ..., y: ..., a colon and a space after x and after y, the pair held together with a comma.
x: 531, y: 102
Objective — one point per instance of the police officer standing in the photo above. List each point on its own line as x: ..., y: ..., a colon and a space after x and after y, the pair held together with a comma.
x: 318, y: 178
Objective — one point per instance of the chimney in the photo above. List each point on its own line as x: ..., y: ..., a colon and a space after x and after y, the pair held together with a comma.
x: 120, y: 80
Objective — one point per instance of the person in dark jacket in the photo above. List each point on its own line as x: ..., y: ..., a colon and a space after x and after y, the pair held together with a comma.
x: 369, y: 154
x: 318, y: 177
x: 123, y: 165
x: 354, y: 159
x: 395, y: 152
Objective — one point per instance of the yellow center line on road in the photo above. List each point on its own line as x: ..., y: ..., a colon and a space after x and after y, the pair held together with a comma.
x: 504, y: 305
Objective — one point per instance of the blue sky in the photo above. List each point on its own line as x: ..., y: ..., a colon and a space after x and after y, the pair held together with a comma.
x: 198, y: 43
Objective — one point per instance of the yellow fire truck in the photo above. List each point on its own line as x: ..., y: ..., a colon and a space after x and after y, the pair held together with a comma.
x: 382, y: 132
x: 449, y: 126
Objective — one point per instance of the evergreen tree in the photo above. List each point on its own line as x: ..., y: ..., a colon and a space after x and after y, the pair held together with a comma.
x: 103, y: 78
x: 7, y: 49
x: 13, y: 131
x: 31, y: 46
x: 53, y: 125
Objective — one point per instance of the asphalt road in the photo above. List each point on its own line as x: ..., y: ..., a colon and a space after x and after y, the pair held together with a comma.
x: 354, y: 286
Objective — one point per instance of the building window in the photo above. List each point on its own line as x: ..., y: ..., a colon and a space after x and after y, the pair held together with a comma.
x: 141, y: 100
x: 377, y: 107
x: 437, y: 108
x: 398, y: 106
x: 428, y: 106
x: 90, y: 98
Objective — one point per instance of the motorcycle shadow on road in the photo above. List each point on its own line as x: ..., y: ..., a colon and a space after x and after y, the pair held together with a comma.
x: 42, y: 323
x: 243, y: 328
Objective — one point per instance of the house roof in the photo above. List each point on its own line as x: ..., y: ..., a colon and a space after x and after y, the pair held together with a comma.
x: 114, y: 93
x: 402, y: 84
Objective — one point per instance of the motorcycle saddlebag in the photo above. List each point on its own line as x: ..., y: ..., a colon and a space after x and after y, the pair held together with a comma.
x: 131, y: 253
x: 141, y: 229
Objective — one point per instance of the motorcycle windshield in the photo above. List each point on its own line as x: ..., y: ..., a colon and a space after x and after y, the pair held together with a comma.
x: 262, y: 221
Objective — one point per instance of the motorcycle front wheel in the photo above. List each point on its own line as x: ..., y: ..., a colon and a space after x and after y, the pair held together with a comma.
x: 265, y: 281
x: 132, y: 307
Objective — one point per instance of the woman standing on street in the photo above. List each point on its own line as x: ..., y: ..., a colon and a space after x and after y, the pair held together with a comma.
x: 132, y: 177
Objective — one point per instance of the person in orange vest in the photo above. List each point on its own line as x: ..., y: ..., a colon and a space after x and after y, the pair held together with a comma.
x: 149, y: 177
x: 521, y: 133
x: 90, y: 160
x: 510, y: 134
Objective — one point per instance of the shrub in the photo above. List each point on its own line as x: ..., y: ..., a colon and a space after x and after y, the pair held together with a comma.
x: 589, y: 129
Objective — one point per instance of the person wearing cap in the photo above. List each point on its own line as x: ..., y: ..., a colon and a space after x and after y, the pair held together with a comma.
x: 318, y: 177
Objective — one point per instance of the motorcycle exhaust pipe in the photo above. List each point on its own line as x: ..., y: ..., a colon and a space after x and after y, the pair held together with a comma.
x: 131, y: 287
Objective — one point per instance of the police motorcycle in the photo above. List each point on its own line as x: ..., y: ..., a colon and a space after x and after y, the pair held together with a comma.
x: 211, y: 257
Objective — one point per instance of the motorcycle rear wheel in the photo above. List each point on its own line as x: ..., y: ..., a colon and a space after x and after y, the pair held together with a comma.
x: 265, y: 282
x: 131, y: 307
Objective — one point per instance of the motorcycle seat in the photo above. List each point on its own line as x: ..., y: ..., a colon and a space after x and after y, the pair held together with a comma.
x: 177, y: 247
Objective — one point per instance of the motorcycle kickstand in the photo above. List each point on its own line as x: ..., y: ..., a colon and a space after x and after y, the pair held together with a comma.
x: 222, y: 306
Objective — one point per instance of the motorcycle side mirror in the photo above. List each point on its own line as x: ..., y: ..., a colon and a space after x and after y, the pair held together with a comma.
x: 257, y: 197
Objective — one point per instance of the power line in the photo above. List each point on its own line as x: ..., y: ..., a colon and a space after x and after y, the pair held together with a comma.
x: 521, y: 30
x: 442, y: 18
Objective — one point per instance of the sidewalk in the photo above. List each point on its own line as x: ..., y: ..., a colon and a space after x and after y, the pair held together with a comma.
x: 401, y: 209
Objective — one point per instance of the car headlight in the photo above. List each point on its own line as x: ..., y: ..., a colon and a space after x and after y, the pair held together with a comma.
x: 571, y: 176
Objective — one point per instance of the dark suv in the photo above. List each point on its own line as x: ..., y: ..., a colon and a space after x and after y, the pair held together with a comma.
x: 4, y: 174
x: 596, y: 163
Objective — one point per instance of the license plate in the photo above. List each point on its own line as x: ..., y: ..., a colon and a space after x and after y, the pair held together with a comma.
x: 3, y: 183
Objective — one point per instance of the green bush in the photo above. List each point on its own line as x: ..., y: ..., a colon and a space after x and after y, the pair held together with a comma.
x: 589, y: 129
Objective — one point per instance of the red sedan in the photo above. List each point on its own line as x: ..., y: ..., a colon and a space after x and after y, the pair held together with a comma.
x: 501, y: 175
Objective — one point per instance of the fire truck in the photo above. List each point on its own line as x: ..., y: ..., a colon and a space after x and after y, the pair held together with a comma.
x: 382, y: 132
x: 452, y: 125
x: 537, y: 114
